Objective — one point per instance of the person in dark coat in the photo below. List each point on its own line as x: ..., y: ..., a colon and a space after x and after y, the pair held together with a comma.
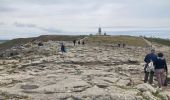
x: 119, y: 45
x: 160, y: 69
x: 151, y: 57
x: 124, y: 45
x: 40, y: 44
x: 79, y: 42
x: 83, y: 43
x: 74, y: 42
x: 63, y: 48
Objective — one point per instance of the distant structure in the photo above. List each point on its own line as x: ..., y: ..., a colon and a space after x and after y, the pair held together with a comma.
x: 99, y: 31
x: 105, y: 33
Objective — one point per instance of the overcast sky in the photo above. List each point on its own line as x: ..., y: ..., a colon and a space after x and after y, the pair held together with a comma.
x: 24, y: 18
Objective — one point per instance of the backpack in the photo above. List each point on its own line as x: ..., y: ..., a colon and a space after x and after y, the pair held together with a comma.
x: 150, y: 67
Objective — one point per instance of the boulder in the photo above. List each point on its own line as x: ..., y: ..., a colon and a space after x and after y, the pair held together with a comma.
x: 148, y: 96
x: 146, y: 87
x: 164, y: 96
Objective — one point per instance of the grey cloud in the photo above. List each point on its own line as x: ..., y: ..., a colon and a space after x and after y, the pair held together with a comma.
x: 149, y: 9
x: 2, y: 23
x: 84, y: 14
x: 50, y: 30
x: 82, y: 2
x: 146, y: 27
x: 25, y: 25
x: 40, y: 2
x: 47, y: 2
x: 130, y: 8
x: 6, y: 9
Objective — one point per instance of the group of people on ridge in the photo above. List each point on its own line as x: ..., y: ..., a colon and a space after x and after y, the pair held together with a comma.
x: 74, y: 42
x: 123, y: 45
x: 63, y: 49
x: 155, y: 65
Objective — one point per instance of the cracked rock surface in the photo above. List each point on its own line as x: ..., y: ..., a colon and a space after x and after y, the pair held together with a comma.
x: 88, y: 72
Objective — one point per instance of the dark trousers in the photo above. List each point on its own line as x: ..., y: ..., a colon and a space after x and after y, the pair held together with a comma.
x: 150, y: 76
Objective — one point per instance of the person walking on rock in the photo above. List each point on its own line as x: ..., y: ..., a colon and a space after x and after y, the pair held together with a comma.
x: 160, y: 69
x: 63, y: 49
x: 74, y: 42
x: 79, y: 42
x: 124, y: 45
x: 83, y: 43
x: 119, y: 45
x: 149, y: 66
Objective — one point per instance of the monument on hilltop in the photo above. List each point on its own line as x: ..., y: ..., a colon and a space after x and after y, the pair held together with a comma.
x: 99, y: 31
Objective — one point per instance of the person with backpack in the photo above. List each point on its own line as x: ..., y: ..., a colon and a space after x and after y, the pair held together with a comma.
x: 149, y: 66
x: 160, y: 70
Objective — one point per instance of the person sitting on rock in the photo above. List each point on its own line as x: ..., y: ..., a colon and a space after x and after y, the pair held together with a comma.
x: 160, y: 69
x: 149, y: 58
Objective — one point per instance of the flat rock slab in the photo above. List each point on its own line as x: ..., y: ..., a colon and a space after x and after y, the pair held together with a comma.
x: 27, y: 87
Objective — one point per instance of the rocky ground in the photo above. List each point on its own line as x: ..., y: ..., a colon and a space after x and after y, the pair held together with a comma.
x: 88, y: 72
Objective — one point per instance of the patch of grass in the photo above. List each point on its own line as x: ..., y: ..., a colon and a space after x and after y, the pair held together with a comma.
x: 2, y: 41
x: 159, y: 40
x: 19, y: 41
x: 60, y: 37
x: 14, y: 42
x: 156, y: 94
x: 128, y: 40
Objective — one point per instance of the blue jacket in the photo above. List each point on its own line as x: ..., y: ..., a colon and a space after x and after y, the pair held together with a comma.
x: 160, y: 63
x: 63, y: 48
x: 150, y: 57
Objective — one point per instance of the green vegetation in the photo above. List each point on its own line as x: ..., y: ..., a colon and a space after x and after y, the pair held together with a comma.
x: 159, y: 40
x: 44, y: 38
x: 59, y: 37
x: 2, y: 41
x: 128, y: 40
x: 13, y: 42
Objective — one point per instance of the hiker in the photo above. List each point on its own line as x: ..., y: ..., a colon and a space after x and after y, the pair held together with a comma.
x: 83, y: 43
x: 124, y: 45
x: 149, y: 66
x: 40, y: 44
x: 119, y: 45
x: 63, y: 48
x: 79, y: 42
x: 160, y: 70
x: 74, y: 42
